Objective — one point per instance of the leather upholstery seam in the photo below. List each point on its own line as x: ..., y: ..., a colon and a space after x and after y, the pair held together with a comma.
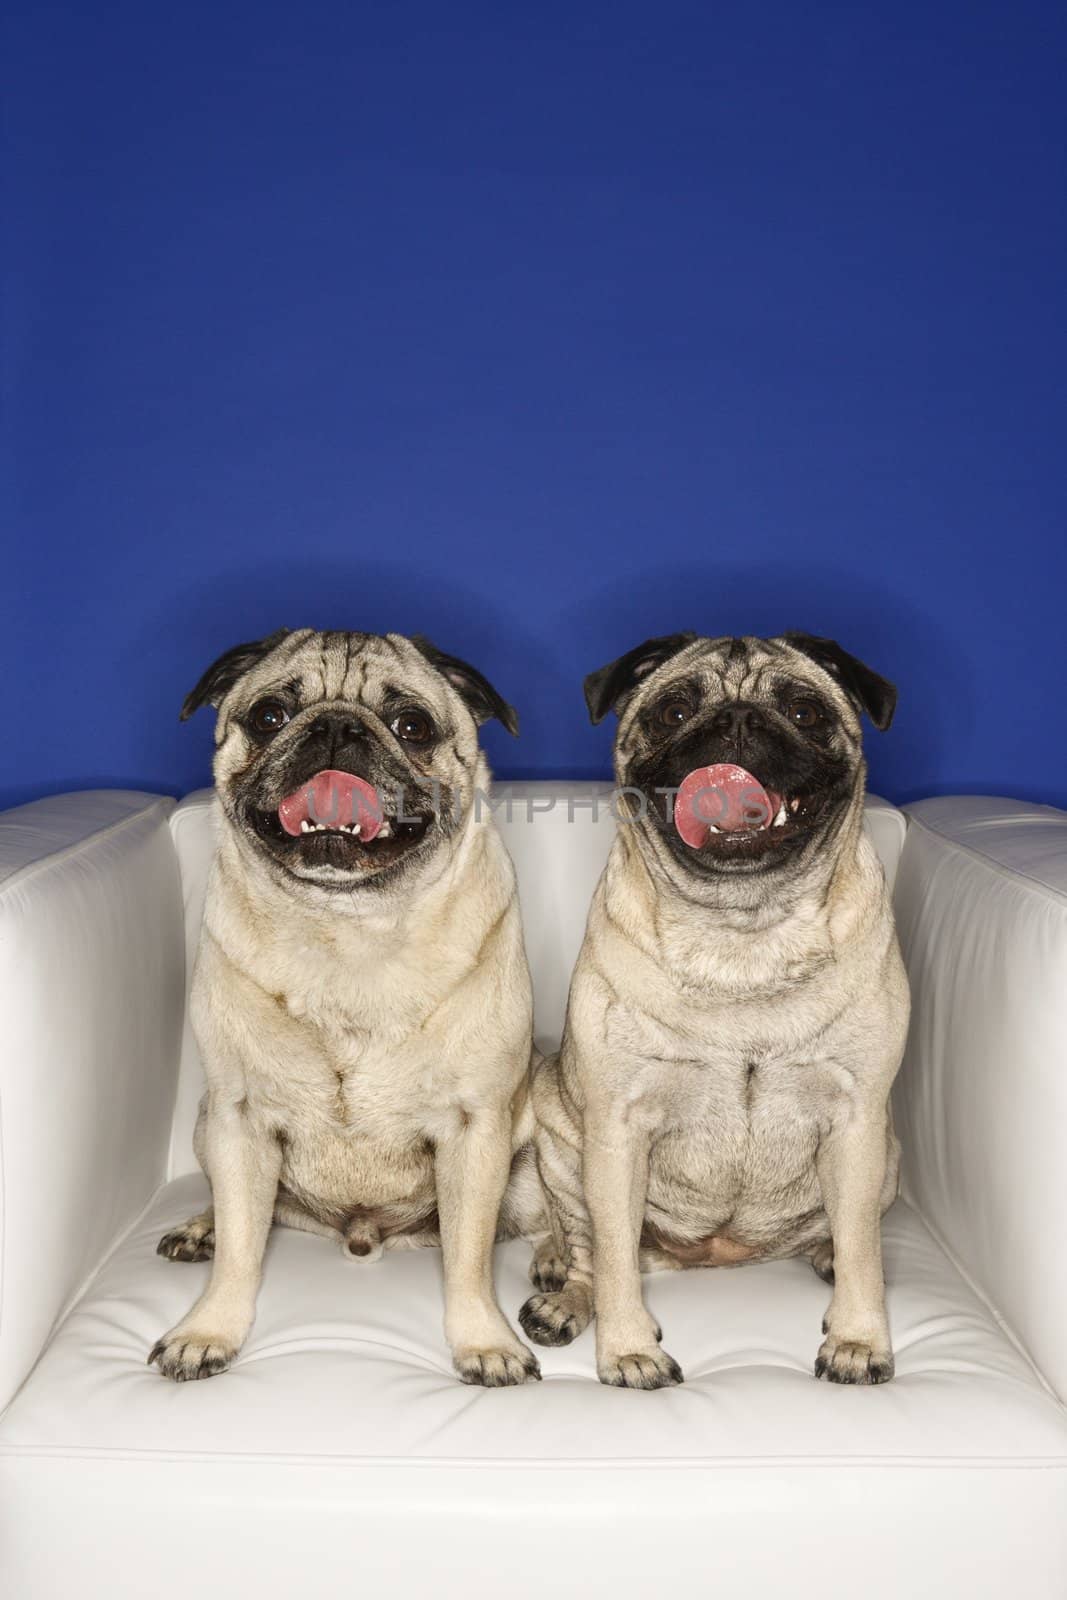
x: 546, y: 1463
x: 987, y: 1303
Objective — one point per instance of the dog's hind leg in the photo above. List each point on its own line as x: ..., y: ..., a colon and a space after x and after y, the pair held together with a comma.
x: 548, y: 1265
x: 195, y: 1239
x: 548, y: 1269
x: 562, y: 1268
x: 192, y: 1241
x: 527, y: 1213
x: 564, y: 1276
x: 822, y: 1260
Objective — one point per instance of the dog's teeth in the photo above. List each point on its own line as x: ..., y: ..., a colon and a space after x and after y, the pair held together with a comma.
x: 713, y: 829
x: 780, y: 818
x: 355, y: 830
x: 794, y: 805
x: 305, y: 826
x: 385, y: 831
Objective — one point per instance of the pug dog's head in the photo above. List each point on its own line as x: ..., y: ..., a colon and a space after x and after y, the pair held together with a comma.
x: 345, y: 759
x: 743, y: 756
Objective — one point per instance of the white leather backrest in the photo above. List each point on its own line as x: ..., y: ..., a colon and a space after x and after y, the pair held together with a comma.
x: 981, y: 1101
x: 559, y: 835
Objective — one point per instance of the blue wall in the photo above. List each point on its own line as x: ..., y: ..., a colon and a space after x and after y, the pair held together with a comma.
x: 540, y: 328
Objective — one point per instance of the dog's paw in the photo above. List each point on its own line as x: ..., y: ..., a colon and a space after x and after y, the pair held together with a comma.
x: 822, y: 1261
x: 193, y: 1241
x: 643, y: 1369
x: 183, y: 1356
x: 853, y: 1361
x: 497, y: 1369
x: 556, y: 1318
x: 548, y: 1273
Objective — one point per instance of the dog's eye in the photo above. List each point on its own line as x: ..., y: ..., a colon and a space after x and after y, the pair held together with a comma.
x: 413, y: 727
x: 267, y: 717
x: 804, y: 713
x: 672, y: 713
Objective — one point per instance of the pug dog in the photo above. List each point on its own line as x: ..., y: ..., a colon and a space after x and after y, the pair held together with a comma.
x: 738, y: 1010
x: 361, y: 997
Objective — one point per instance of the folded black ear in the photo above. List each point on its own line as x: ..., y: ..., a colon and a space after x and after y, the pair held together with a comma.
x: 221, y: 676
x: 608, y: 685
x: 871, y: 692
x: 471, y: 685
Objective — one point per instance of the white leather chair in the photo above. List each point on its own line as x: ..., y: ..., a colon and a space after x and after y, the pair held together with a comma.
x: 341, y: 1456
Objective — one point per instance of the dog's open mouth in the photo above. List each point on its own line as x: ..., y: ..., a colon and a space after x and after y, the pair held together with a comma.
x: 726, y: 809
x: 335, y: 802
x: 336, y: 819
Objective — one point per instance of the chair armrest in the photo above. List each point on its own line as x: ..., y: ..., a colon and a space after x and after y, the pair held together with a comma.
x: 92, y: 970
x: 981, y: 1101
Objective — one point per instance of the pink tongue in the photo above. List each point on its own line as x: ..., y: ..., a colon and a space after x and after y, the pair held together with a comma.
x: 723, y: 796
x: 334, y: 798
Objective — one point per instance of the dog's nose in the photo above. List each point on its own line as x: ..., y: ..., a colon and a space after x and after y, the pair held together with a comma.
x: 344, y: 727
x: 338, y: 730
x: 737, y: 721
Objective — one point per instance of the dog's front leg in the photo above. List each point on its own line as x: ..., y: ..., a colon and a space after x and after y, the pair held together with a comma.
x: 472, y: 1163
x: 243, y: 1165
x: 851, y: 1165
x: 615, y: 1176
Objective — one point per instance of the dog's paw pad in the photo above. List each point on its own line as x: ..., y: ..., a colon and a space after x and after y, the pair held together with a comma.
x: 497, y: 1369
x: 191, y: 1242
x: 853, y: 1361
x: 551, y: 1319
x: 185, y: 1357
x: 644, y: 1369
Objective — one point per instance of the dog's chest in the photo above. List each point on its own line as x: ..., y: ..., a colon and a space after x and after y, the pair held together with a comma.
x: 371, y: 1081
x: 365, y: 1040
x: 356, y: 1111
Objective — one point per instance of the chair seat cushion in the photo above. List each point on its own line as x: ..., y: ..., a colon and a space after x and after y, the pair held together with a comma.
x: 340, y: 1448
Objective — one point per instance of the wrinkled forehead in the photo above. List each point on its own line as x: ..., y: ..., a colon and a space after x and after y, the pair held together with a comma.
x: 351, y: 667
x: 747, y: 669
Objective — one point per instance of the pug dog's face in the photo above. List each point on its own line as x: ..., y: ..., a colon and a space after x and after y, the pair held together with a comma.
x: 344, y: 759
x: 746, y: 753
